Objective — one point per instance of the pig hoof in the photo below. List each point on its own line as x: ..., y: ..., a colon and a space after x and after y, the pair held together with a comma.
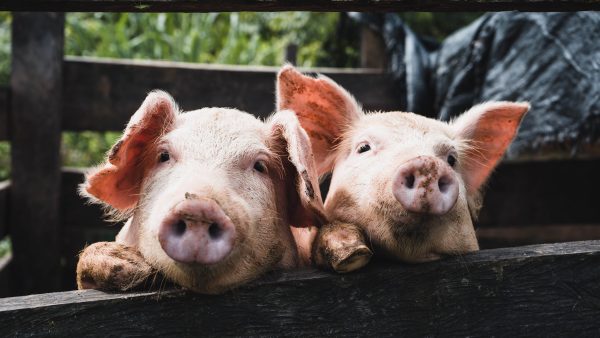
x: 353, y: 260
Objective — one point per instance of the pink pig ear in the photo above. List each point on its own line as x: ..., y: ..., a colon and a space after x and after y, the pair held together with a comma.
x: 117, y: 182
x: 488, y: 130
x: 323, y: 108
x: 305, y: 208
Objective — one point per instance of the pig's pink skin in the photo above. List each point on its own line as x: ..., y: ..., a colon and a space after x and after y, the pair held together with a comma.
x: 256, y: 179
x: 366, y: 153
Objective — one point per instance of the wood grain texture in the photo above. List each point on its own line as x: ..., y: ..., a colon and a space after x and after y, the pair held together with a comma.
x: 36, y: 97
x: 4, y: 208
x: 4, y: 112
x: 542, y: 192
x: 295, y: 5
x: 526, y: 291
x: 104, y: 93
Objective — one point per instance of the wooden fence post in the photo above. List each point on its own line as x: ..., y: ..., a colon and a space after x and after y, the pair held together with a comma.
x: 372, y: 49
x: 36, y: 84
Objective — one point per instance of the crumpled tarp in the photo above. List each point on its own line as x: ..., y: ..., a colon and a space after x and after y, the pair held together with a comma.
x: 549, y: 59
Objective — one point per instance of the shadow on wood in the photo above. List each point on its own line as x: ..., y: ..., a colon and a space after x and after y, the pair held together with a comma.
x: 526, y: 291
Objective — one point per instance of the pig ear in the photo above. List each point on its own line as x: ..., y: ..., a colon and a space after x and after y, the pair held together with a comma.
x: 323, y: 108
x: 487, y: 129
x: 117, y: 181
x: 290, y: 140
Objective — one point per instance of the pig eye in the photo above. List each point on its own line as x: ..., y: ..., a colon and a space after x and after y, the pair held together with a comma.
x: 260, y: 166
x: 164, y: 156
x: 451, y: 160
x: 364, y: 148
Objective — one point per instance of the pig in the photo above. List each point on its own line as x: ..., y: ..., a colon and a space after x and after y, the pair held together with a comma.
x: 213, y: 198
x: 402, y: 185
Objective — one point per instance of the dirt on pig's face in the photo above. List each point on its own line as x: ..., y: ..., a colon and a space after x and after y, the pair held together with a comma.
x: 367, y: 162
x: 222, y: 156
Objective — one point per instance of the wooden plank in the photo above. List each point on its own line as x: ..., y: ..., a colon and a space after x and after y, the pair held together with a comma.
x: 81, y: 224
x: 36, y: 90
x: 104, y: 93
x: 4, y: 198
x: 527, y: 291
x: 372, y: 49
x: 5, y: 268
x: 511, y: 236
x: 4, y: 112
x: 544, y: 192
x: 295, y: 5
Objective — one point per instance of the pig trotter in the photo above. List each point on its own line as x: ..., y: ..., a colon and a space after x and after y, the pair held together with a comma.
x: 341, y: 247
x: 111, y: 266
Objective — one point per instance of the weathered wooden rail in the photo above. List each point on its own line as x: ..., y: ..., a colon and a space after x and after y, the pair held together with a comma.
x: 542, y: 290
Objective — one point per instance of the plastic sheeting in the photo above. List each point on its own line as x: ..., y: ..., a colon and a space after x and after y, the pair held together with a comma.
x: 549, y: 59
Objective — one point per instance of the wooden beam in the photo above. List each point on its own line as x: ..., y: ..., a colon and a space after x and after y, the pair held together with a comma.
x: 36, y: 91
x: 542, y: 192
x: 104, y: 93
x: 526, y: 291
x: 510, y: 236
x: 4, y: 208
x: 295, y: 5
x: 4, y: 113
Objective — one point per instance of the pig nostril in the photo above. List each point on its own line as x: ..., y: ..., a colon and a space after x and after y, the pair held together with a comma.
x: 214, y: 231
x: 179, y: 228
x: 443, y: 184
x: 409, y: 181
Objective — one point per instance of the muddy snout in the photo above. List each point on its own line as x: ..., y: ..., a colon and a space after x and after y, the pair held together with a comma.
x: 197, y: 230
x: 427, y: 185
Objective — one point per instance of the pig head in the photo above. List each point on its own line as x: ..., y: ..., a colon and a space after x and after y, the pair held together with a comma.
x: 213, y: 198
x: 402, y: 185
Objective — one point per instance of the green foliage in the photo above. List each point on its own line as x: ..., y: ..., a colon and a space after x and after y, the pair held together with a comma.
x: 226, y: 38
x: 5, y: 246
x: 4, y: 160
x: 86, y: 148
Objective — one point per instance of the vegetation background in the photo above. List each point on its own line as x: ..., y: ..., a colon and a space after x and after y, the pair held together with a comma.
x: 323, y: 39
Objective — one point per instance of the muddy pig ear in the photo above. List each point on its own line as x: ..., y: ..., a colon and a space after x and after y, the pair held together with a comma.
x: 305, y: 206
x: 117, y: 181
x: 486, y: 131
x: 324, y: 109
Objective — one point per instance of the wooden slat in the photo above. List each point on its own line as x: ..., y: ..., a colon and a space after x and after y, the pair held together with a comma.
x: 36, y: 94
x: 81, y: 224
x: 526, y: 291
x: 104, y: 93
x: 5, y: 269
x: 294, y: 5
x: 510, y: 236
x: 544, y: 192
x: 4, y: 208
x: 4, y: 112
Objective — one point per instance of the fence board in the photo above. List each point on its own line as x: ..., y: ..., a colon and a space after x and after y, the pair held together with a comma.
x: 36, y: 94
x: 4, y: 112
x: 295, y: 5
x: 4, y: 195
x: 527, y: 291
x: 104, y: 93
x: 543, y: 192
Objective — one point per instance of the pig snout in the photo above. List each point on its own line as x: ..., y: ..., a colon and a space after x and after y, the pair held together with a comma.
x: 197, y: 230
x: 426, y: 185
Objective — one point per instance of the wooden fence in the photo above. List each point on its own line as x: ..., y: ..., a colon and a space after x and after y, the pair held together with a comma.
x: 512, y: 291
